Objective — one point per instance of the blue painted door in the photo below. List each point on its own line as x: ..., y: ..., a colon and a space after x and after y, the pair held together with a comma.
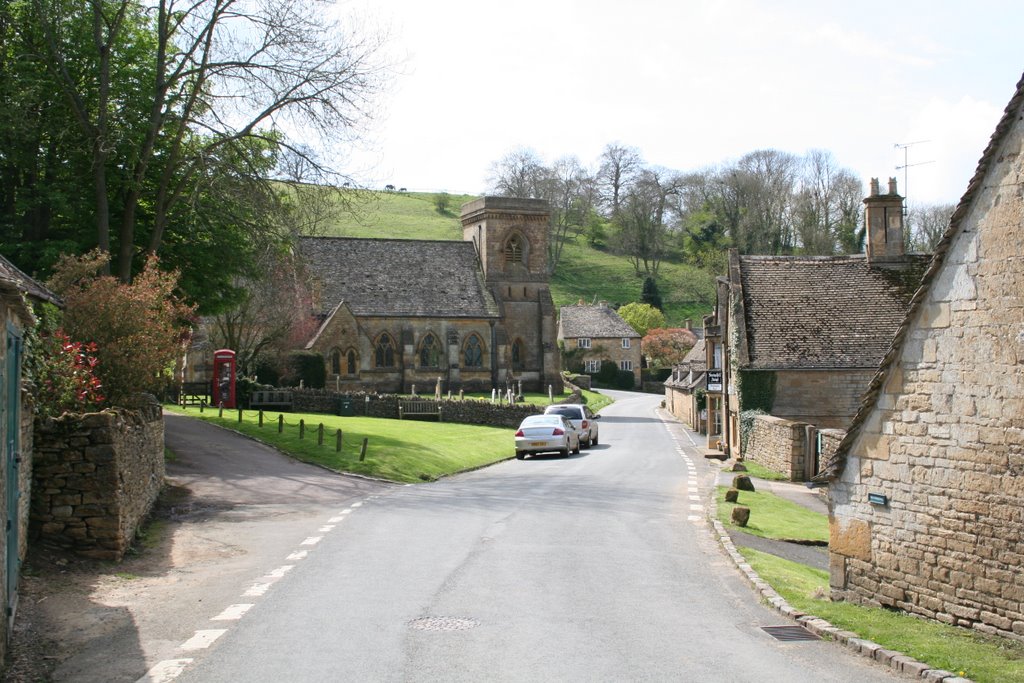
x: 12, y: 460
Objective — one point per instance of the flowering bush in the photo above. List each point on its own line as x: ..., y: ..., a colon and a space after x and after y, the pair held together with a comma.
x: 65, y: 376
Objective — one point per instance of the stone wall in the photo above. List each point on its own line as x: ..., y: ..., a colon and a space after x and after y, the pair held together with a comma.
x: 830, y: 440
x: 95, y: 478
x: 825, y: 398
x: 943, y: 440
x: 779, y: 445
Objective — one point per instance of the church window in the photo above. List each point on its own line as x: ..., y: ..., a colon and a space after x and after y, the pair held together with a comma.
x: 430, y: 352
x: 517, y: 354
x: 336, y: 362
x: 384, y: 352
x: 514, y: 250
x: 351, y: 363
x: 473, y: 352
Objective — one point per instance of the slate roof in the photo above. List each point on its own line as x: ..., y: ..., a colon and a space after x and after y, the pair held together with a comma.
x: 823, y: 312
x: 595, y: 322
x: 833, y: 468
x: 693, y: 367
x: 10, y: 272
x: 399, y: 278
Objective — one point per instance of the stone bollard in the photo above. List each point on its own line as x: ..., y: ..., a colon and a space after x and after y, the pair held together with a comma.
x: 732, y: 495
x: 740, y: 515
x: 742, y: 482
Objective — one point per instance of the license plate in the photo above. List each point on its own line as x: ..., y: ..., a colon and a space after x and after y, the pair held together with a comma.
x: 538, y: 443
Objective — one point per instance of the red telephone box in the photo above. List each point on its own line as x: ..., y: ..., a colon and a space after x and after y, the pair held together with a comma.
x: 224, y: 378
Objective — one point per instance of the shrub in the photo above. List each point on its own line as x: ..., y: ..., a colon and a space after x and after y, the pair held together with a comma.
x: 64, y: 376
x: 307, y: 368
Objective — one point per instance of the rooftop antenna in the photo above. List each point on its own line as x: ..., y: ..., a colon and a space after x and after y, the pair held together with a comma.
x: 905, y: 146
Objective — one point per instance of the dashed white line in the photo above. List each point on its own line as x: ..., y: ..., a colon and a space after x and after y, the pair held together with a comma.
x: 356, y: 505
x: 281, y: 571
x: 336, y: 520
x: 165, y: 671
x: 257, y: 589
x: 233, y: 612
x: 325, y: 528
x: 312, y: 540
x: 203, y: 639
x: 298, y: 555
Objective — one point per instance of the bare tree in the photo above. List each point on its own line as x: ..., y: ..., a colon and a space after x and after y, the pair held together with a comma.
x: 620, y: 165
x: 827, y: 206
x: 770, y: 178
x: 926, y: 225
x: 520, y: 173
x: 642, y: 219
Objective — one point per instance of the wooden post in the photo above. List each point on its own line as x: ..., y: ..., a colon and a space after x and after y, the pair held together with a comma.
x: 320, y: 435
x: 220, y: 410
x: 362, y: 452
x: 337, y: 448
x: 261, y: 419
x: 280, y: 423
x: 239, y: 416
x: 302, y: 429
x: 202, y: 404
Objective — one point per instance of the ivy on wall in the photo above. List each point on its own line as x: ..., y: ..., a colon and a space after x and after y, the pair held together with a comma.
x: 757, y: 390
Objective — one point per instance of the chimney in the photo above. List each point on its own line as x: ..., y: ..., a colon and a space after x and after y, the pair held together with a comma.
x: 883, y: 220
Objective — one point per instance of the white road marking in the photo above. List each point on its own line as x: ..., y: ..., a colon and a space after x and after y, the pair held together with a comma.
x: 281, y: 571
x: 312, y: 540
x: 693, y: 518
x: 325, y: 528
x: 694, y: 497
x: 356, y: 505
x: 233, y: 612
x: 345, y: 512
x: 298, y: 555
x: 336, y: 520
x: 203, y: 639
x: 697, y: 508
x: 165, y: 671
x: 257, y: 589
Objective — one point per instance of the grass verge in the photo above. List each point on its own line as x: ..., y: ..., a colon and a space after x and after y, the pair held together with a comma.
x: 979, y: 657
x: 758, y: 470
x: 774, y: 517
x: 399, y: 450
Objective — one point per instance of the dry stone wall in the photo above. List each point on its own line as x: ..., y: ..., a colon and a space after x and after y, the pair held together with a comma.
x: 95, y: 478
x: 778, y: 444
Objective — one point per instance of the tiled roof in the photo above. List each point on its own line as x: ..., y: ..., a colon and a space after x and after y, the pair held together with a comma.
x: 399, y: 278
x: 595, y: 322
x: 34, y: 289
x: 823, y: 312
x: 833, y: 468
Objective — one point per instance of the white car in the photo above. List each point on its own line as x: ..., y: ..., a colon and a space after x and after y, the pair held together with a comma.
x: 581, y: 418
x: 546, y: 434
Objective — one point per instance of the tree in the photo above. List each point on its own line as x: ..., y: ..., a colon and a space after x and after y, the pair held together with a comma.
x: 139, y: 329
x: 618, y: 166
x: 162, y: 93
x: 650, y: 294
x: 642, y: 317
x: 926, y: 225
x: 827, y: 206
x: 520, y: 173
x: 665, y: 347
x: 441, y: 202
x: 641, y: 221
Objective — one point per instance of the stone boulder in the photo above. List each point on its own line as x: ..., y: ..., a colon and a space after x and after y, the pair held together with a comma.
x: 732, y: 495
x: 742, y: 482
x: 740, y: 515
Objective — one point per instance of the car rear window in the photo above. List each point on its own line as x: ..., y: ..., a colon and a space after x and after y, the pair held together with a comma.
x: 567, y: 411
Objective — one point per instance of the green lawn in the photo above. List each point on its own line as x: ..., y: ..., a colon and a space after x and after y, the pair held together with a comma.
x: 399, y: 450
x: 774, y: 517
x: 761, y: 472
x: 981, y: 658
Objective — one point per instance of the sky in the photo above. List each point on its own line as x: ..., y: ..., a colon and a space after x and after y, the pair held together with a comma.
x: 692, y: 84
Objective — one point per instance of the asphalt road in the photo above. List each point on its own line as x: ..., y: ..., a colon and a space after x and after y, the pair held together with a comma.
x: 595, y: 568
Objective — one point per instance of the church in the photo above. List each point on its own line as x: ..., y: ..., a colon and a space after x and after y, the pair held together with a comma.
x: 474, y: 314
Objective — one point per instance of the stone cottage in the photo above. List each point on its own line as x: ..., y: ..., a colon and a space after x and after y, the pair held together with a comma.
x: 802, y: 336
x: 17, y: 291
x: 685, y: 388
x: 591, y: 334
x: 927, y: 487
x: 475, y: 314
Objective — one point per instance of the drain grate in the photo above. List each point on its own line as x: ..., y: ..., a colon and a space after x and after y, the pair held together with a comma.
x: 789, y: 633
x: 443, y: 624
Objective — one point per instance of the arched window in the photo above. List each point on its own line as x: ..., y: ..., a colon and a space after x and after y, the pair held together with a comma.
x: 430, y: 352
x: 514, y: 250
x: 517, y: 354
x: 473, y: 352
x: 384, y: 351
x: 351, y: 363
x: 336, y: 362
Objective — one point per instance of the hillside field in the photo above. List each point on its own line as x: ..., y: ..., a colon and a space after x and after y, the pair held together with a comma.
x: 583, y: 272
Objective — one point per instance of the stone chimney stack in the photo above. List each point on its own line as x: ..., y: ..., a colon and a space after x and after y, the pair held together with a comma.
x: 883, y: 220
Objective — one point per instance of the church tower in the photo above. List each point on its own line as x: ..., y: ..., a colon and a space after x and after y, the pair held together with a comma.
x: 511, y: 239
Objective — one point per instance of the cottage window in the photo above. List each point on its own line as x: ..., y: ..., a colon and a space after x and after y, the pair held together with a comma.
x: 473, y: 352
x: 384, y: 351
x: 430, y: 352
x: 625, y: 342
x: 592, y: 366
x: 583, y: 343
x: 626, y: 365
x: 336, y: 361
x: 351, y: 362
x: 517, y: 354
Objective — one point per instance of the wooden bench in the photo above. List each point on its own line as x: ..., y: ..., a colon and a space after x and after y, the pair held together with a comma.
x: 419, y: 407
x: 281, y: 400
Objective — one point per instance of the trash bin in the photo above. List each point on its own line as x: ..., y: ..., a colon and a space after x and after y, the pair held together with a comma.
x: 345, y: 408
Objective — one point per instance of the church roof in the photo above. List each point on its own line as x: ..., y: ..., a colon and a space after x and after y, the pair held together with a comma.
x: 399, y: 278
x: 823, y: 312
x: 595, y: 322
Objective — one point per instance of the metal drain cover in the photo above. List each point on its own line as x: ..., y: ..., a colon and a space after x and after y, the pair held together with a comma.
x: 443, y: 624
x: 789, y: 633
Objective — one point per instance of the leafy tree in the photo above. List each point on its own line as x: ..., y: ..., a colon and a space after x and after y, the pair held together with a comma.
x: 650, y: 294
x: 642, y: 317
x: 666, y: 347
x: 441, y: 202
x: 139, y: 329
